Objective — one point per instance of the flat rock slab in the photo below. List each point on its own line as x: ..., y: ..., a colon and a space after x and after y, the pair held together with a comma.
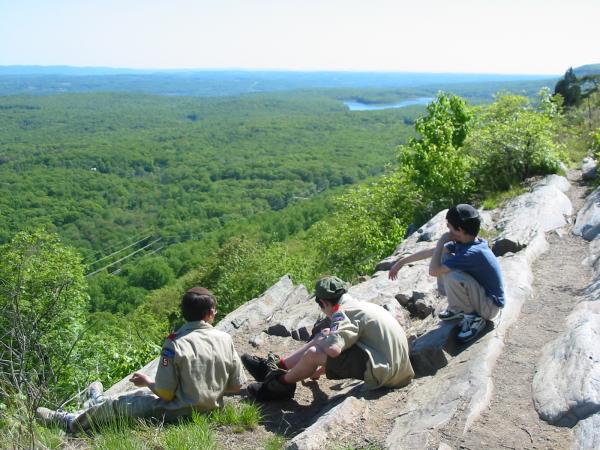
x: 566, y: 386
x: 331, y: 426
x: 587, y: 224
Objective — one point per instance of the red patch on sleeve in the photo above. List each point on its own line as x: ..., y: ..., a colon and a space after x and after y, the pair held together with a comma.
x: 172, y: 336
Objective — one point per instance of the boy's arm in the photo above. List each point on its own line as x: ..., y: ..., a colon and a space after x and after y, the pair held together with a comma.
x: 436, y: 268
x: 417, y: 256
x: 142, y: 380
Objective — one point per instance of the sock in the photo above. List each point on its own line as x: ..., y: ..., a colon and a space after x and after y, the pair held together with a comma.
x: 282, y: 364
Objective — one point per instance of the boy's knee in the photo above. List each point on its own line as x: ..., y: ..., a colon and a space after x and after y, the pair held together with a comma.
x: 314, y: 355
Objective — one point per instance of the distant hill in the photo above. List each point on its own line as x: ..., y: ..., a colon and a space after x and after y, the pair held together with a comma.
x: 60, y: 79
x: 588, y: 69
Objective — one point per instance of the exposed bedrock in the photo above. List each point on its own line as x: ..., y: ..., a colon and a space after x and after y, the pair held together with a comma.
x: 587, y: 224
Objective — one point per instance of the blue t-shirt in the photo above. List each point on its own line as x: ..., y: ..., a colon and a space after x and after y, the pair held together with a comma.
x: 477, y: 259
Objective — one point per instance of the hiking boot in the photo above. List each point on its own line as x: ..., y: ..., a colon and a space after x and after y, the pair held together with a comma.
x: 470, y: 327
x: 259, y: 367
x: 448, y: 314
x: 49, y: 417
x: 94, y: 394
x: 272, y: 388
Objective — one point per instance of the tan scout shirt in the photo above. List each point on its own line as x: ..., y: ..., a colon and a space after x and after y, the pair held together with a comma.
x: 197, y: 364
x: 375, y: 331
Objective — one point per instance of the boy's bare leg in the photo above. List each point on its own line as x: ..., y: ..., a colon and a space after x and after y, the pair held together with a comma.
x: 307, y: 365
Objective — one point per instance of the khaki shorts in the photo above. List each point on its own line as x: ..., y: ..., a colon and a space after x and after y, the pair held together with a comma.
x: 351, y: 363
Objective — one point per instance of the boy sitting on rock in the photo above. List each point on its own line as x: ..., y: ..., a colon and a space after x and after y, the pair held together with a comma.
x: 197, y: 365
x: 469, y: 270
x: 364, y: 342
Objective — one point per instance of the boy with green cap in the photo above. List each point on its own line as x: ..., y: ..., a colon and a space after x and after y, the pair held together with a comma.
x: 364, y: 342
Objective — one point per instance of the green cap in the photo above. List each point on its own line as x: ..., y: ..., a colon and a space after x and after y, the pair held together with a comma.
x: 330, y: 288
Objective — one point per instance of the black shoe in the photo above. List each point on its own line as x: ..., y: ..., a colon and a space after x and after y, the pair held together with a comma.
x: 272, y: 388
x: 448, y: 314
x: 259, y: 367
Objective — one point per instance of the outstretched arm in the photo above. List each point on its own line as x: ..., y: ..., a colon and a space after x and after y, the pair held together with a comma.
x: 417, y: 256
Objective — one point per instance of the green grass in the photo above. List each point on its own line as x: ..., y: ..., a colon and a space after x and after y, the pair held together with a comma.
x: 195, y: 435
x: 496, y: 199
x: 244, y: 416
x: 119, y: 440
x: 275, y: 442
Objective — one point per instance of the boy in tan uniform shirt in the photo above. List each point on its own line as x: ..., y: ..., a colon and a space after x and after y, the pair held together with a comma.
x: 197, y: 365
x: 364, y: 342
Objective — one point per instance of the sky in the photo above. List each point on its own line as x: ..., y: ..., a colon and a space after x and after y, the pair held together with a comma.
x: 460, y: 36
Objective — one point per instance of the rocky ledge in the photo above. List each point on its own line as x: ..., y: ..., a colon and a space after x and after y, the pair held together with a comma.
x: 453, y: 381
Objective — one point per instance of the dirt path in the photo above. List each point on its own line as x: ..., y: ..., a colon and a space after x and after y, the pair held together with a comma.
x: 511, y: 420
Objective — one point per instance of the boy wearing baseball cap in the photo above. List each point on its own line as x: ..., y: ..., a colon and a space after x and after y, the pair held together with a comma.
x: 469, y: 271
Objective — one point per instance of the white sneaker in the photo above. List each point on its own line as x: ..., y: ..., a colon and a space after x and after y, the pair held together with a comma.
x: 470, y: 327
x: 49, y: 417
x: 94, y: 394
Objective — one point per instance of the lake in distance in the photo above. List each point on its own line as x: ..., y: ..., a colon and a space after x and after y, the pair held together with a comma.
x: 358, y: 106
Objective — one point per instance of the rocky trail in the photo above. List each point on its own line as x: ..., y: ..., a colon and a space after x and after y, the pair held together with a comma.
x: 540, y: 359
x: 511, y: 420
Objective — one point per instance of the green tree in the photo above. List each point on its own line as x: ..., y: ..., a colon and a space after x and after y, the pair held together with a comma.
x: 42, y: 303
x: 151, y: 273
x: 434, y: 164
x: 513, y: 140
x: 569, y: 88
x: 369, y: 222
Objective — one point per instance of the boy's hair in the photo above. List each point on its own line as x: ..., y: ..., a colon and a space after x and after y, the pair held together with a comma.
x: 466, y: 217
x: 197, y: 303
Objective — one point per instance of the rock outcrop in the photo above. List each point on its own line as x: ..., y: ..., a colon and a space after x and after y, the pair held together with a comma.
x: 587, y: 224
x: 453, y: 381
x: 566, y: 386
x: 589, y: 168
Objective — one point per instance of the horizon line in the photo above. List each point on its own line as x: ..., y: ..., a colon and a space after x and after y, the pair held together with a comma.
x: 270, y: 69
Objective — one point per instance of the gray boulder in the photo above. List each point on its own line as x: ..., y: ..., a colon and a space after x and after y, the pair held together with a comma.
x: 586, y: 435
x: 593, y: 260
x: 543, y: 209
x: 297, y: 320
x: 566, y: 386
x: 587, y: 224
x: 259, y: 311
x: 589, y: 168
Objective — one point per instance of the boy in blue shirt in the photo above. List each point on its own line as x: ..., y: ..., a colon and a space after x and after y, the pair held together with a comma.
x: 470, y: 272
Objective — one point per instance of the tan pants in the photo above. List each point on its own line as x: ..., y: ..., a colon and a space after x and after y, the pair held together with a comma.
x: 141, y: 404
x: 466, y: 295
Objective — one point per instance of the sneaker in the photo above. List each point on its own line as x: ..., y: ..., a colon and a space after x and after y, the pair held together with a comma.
x: 448, y: 314
x: 49, y: 417
x: 470, y: 327
x: 259, y: 367
x: 94, y: 394
x: 272, y: 388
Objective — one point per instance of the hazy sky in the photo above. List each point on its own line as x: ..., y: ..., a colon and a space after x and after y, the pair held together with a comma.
x: 493, y: 36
